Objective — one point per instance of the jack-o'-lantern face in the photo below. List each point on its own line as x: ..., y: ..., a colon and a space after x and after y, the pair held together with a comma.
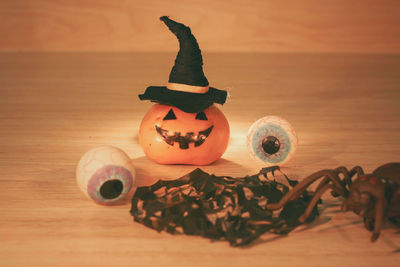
x: 170, y: 136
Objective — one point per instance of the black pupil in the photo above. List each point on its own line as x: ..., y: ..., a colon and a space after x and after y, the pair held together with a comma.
x: 170, y: 115
x: 201, y: 116
x: 271, y: 145
x: 111, y: 189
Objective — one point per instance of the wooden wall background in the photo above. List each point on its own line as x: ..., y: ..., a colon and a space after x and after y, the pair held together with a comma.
x: 361, y: 26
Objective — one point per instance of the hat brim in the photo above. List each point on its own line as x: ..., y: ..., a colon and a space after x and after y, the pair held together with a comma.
x: 188, y: 102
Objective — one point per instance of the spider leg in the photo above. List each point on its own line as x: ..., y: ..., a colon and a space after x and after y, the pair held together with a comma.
x: 314, y: 202
x: 345, y: 181
x: 299, y: 189
x: 342, y: 170
x: 369, y: 224
x: 337, y: 185
x: 355, y: 170
x: 379, y: 213
x: 348, y: 175
x: 336, y: 171
x: 324, y: 182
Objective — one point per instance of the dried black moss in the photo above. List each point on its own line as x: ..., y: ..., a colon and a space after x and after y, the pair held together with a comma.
x: 219, y: 207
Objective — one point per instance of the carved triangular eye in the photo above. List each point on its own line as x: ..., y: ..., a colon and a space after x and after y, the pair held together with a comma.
x: 170, y: 115
x: 201, y: 116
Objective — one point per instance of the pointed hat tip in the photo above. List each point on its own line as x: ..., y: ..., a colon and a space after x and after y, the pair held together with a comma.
x: 174, y: 26
x: 164, y: 18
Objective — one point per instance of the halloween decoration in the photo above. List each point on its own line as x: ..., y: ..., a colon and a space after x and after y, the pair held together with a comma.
x: 106, y: 175
x: 272, y: 140
x: 170, y: 136
x: 375, y: 197
x: 220, y: 207
x: 185, y: 127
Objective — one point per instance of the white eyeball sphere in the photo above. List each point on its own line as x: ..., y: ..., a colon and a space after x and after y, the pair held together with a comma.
x: 272, y: 140
x: 106, y: 175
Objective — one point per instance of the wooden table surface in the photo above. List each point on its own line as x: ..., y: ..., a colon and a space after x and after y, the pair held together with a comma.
x: 56, y: 106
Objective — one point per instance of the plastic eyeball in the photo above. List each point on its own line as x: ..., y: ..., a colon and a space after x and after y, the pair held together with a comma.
x: 106, y: 175
x: 272, y: 140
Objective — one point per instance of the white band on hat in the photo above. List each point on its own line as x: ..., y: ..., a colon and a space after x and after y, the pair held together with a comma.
x: 188, y: 88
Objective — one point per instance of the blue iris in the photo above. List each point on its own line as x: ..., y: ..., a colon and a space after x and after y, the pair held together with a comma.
x: 274, y: 131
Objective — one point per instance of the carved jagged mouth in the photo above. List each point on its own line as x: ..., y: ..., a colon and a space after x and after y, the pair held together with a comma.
x: 184, y: 140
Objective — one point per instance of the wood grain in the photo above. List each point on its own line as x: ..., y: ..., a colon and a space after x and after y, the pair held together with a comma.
x: 361, y: 26
x: 56, y: 106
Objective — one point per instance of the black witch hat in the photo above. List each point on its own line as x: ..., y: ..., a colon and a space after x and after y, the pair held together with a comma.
x: 188, y: 88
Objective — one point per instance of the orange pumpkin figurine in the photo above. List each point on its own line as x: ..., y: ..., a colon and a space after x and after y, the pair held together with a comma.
x: 184, y: 127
